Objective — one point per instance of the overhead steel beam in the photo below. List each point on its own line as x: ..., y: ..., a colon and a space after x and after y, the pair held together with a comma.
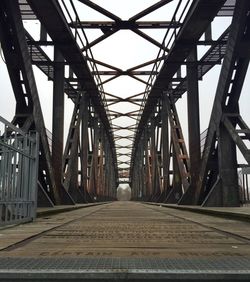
x: 150, y: 10
x: 99, y: 39
x: 98, y: 62
x: 150, y: 39
x: 124, y: 72
x: 100, y: 10
x: 124, y: 24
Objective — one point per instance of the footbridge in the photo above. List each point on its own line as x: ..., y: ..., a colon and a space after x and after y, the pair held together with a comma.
x: 148, y: 96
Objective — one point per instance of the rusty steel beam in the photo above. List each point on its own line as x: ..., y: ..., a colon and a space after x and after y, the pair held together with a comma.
x: 179, y: 146
x: 70, y: 158
x: 200, y: 15
x: 59, y: 31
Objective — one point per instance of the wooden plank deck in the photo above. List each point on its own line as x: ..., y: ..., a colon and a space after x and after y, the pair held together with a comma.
x: 127, y: 237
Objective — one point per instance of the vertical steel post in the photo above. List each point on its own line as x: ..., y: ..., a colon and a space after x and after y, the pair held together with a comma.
x: 85, y: 144
x: 165, y: 145
x: 193, y: 116
x: 147, y: 165
x: 58, y: 118
x: 177, y: 184
x: 43, y: 33
x: 96, y: 155
x: 153, y: 156
x: 141, y: 169
x: 228, y: 169
x: 101, y: 164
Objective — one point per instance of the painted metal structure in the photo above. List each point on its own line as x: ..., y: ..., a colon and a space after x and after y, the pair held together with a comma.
x: 244, y: 185
x: 156, y: 160
x: 18, y: 174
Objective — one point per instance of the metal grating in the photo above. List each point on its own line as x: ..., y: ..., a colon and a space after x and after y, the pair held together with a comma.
x: 228, y: 9
x: 46, y: 65
x: 208, y: 265
x: 212, y: 57
x: 26, y: 11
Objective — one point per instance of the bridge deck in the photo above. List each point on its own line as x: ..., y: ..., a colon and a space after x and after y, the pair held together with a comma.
x: 126, y: 241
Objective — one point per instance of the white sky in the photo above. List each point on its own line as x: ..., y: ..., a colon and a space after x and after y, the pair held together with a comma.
x: 124, y: 49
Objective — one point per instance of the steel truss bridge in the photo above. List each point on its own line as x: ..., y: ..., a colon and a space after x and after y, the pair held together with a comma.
x: 153, y: 156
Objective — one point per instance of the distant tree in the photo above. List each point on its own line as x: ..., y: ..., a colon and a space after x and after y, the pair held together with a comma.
x: 123, y: 192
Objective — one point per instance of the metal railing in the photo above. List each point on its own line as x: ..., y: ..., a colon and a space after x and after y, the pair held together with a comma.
x: 18, y: 174
x: 203, y: 137
x: 244, y: 187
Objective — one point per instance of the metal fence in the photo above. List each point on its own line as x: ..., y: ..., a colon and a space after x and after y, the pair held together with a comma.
x: 18, y: 174
x: 203, y: 137
x: 244, y: 176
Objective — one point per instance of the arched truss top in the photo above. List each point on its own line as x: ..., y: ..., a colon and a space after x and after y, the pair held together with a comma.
x: 68, y: 29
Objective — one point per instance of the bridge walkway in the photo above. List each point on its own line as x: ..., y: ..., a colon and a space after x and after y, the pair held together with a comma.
x: 126, y: 241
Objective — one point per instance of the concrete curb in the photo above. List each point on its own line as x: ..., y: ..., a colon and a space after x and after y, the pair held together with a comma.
x: 208, y: 211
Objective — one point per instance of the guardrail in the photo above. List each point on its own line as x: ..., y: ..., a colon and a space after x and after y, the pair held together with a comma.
x: 18, y: 174
x: 244, y: 175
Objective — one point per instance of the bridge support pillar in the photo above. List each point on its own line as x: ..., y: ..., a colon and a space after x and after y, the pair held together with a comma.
x: 58, y: 118
x: 228, y: 168
x: 225, y: 191
x: 165, y: 145
x: 153, y: 155
x: 84, y: 149
x: 193, y: 124
x: 148, y: 183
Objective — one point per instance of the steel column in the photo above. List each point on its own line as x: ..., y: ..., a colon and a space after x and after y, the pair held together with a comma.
x: 227, y: 189
x: 153, y: 156
x: 165, y: 145
x: 193, y: 123
x: 193, y: 116
x: 71, y: 153
x: 58, y: 118
x: 148, y: 181
x: 84, y: 149
x: 96, y: 156
x: 100, y: 166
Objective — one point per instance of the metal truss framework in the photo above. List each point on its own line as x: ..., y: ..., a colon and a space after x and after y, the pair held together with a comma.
x: 156, y: 161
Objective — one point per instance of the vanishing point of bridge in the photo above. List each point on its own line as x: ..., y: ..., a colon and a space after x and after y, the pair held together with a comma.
x: 117, y: 136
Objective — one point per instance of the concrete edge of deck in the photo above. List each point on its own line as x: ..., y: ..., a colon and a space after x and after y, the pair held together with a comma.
x: 227, y: 212
x: 41, y: 212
